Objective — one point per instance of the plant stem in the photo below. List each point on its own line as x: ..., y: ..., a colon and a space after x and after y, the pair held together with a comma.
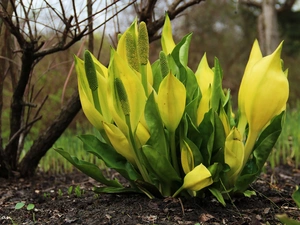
x: 137, y: 154
x: 96, y: 100
x: 173, y: 152
x: 251, y: 139
x: 143, y: 70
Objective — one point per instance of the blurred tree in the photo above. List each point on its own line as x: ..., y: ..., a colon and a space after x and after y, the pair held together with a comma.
x: 267, y: 23
x: 21, y: 20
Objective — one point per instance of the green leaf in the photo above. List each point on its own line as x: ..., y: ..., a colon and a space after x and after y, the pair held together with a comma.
x: 181, y: 50
x: 286, y: 220
x: 192, y: 106
x: 206, y: 130
x: 198, y: 159
x: 191, y: 84
x: 217, y: 90
x: 157, y: 139
x: 19, y: 205
x: 108, y: 154
x: 114, y: 190
x: 30, y: 206
x: 219, y: 140
x: 192, y: 132
x: 157, y: 77
x: 296, y: 197
x: 149, y: 189
x: 262, y: 149
x: 218, y: 195
x: 249, y: 193
x: 88, y: 168
x: 160, y: 165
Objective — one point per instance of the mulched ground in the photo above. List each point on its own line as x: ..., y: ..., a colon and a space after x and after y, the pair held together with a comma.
x: 54, y: 205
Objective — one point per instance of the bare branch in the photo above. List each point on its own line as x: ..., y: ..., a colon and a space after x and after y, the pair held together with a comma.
x: 251, y: 3
x: 154, y: 26
x: 16, y: 135
x: 12, y: 28
x: 147, y: 11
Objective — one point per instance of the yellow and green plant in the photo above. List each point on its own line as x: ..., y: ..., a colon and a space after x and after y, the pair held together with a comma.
x: 171, y: 131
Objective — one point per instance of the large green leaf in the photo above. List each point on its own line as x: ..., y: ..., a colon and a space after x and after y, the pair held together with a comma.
x: 157, y: 77
x: 114, y: 190
x: 157, y: 139
x: 191, y: 84
x: 89, y: 169
x: 219, y: 140
x: 111, y: 158
x: 160, y: 165
x: 217, y: 90
x: 191, y: 131
x: 206, y: 131
x: 181, y: 50
x: 192, y: 106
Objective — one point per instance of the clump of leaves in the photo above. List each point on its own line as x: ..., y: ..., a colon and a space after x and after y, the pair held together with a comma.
x: 170, y: 131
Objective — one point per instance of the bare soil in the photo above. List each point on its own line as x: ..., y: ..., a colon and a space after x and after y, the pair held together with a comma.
x: 54, y: 205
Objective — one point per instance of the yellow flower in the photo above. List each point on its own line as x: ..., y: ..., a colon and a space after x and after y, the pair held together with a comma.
x: 254, y: 57
x: 264, y: 94
x: 234, y: 155
x: 187, y: 157
x: 205, y: 77
x: 167, y: 41
x: 197, y: 179
x: 85, y: 93
x: 122, y: 72
x: 120, y: 142
x: 171, y: 99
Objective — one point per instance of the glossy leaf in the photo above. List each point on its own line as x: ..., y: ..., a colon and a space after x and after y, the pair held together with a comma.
x: 108, y: 154
x: 261, y: 152
x: 89, y: 169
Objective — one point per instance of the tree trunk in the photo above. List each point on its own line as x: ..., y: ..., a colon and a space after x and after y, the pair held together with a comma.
x: 17, y: 106
x: 46, y: 140
x: 268, y: 27
x: 4, y: 49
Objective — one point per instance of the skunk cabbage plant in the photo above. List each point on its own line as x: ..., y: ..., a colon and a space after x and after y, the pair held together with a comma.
x: 170, y: 131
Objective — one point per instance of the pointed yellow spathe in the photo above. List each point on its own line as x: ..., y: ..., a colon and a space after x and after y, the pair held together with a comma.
x: 199, y: 178
x: 268, y: 93
x: 171, y: 99
x: 167, y: 41
x: 205, y: 77
x: 264, y: 95
x: 134, y: 90
x: 187, y: 157
x: 119, y: 142
x: 234, y: 155
x: 255, y: 56
x: 85, y: 94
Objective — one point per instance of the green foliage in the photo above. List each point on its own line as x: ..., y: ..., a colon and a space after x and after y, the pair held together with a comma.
x: 284, y: 218
x: 53, y: 163
x: 287, y: 149
x: 179, y: 136
x: 29, y: 207
x: 70, y: 189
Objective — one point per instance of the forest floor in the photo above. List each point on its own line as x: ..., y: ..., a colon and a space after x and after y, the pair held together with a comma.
x: 54, y: 204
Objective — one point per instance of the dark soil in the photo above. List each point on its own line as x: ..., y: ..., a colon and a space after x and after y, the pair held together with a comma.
x: 53, y: 204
